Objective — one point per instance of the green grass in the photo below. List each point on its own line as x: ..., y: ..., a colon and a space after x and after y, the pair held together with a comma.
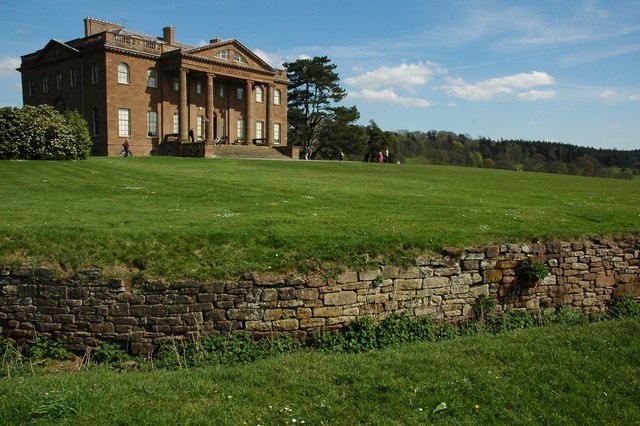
x: 178, y: 217
x: 552, y: 375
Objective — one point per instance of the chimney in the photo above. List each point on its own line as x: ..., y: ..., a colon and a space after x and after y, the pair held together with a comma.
x: 214, y: 40
x: 169, y: 35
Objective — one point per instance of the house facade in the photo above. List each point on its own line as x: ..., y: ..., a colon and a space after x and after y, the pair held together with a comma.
x: 156, y: 91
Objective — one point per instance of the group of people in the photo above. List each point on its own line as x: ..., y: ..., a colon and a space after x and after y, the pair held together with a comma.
x: 382, y: 157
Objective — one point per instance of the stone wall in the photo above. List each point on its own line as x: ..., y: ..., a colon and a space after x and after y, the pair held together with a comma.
x: 88, y: 307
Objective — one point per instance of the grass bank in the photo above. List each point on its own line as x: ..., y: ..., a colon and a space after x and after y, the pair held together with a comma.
x: 553, y: 375
x: 179, y: 217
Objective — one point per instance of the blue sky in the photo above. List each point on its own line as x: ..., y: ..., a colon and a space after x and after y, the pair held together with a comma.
x: 565, y: 71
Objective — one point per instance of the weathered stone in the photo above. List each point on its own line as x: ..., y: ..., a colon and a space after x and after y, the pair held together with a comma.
x: 307, y: 294
x: 347, y: 277
x: 246, y: 314
x: 312, y: 322
x: 326, y: 312
x: 492, y: 275
x: 272, y: 314
x: 370, y: 275
x: 340, y: 299
x: 408, y: 284
x: 436, y: 282
x: 285, y: 324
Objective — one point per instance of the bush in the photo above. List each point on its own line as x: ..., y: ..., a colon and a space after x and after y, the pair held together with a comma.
x: 42, y: 133
x: 624, y: 307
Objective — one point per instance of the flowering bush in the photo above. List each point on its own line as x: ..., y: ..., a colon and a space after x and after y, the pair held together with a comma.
x: 42, y: 133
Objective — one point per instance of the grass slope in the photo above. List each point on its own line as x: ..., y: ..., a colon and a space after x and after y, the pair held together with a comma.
x: 179, y: 217
x: 551, y: 375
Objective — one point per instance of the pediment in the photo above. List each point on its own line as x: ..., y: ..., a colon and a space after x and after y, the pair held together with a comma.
x: 230, y: 52
x: 56, y: 50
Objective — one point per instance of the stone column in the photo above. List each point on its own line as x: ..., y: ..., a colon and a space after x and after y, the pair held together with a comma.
x: 269, y: 123
x: 183, y: 108
x: 248, y: 132
x: 209, y: 136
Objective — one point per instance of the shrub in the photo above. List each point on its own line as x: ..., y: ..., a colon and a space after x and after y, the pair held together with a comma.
x: 109, y: 353
x: 42, y: 133
x: 45, y: 347
x: 624, y: 307
x: 532, y: 271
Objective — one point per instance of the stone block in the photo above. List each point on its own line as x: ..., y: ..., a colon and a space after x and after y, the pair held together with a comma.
x: 492, y: 251
x: 217, y: 287
x: 258, y: 326
x: 246, y: 314
x: 327, y: 312
x: 369, y: 275
x: 312, y: 322
x: 286, y: 293
x: 102, y: 328
x: 492, y: 275
x: 347, y: 277
x: 215, y: 315
x: 307, y: 294
x: 272, y: 314
x: 285, y: 324
x: 340, y: 299
x: 408, y: 284
x: 436, y: 282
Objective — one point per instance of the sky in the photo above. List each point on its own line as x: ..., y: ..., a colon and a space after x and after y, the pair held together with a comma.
x: 566, y: 71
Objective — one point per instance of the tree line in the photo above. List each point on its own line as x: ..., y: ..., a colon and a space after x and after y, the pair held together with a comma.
x: 318, y: 123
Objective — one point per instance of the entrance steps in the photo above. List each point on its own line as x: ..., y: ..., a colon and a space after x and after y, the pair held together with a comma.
x: 248, y: 151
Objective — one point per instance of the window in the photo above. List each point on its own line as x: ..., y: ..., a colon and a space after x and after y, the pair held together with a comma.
x: 200, y: 127
x: 259, y: 94
x: 152, y: 78
x: 223, y: 128
x: 58, y: 81
x: 45, y: 84
x: 176, y: 123
x: 176, y: 84
x: 259, y: 129
x: 276, y: 133
x: 123, y: 73
x: 223, y: 54
x: 124, y: 122
x: 238, y: 58
x: 73, y: 77
x: 95, y: 74
x: 152, y: 123
x: 199, y: 87
x: 276, y: 97
x: 222, y: 90
x: 239, y: 93
x: 240, y: 130
x: 31, y: 87
x: 95, y: 123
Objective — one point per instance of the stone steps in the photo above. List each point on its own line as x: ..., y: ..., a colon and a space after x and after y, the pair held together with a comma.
x: 248, y: 151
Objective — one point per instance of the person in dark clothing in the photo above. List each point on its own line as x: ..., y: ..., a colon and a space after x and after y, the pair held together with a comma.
x: 125, y: 148
x: 191, y: 136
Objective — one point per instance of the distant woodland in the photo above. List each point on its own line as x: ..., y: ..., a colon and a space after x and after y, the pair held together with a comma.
x: 448, y: 148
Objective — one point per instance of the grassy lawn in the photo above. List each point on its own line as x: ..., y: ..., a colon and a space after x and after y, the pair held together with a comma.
x: 179, y: 217
x: 551, y: 375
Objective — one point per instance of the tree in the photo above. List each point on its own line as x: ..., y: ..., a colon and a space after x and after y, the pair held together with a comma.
x: 340, y: 135
x: 314, y: 87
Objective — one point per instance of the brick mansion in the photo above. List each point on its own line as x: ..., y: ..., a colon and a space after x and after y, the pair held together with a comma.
x: 155, y: 91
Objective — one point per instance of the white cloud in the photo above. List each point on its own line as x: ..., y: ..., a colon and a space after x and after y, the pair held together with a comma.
x: 388, y: 96
x: 537, y: 95
x: 634, y: 98
x: 8, y: 67
x: 614, y: 126
x: 273, y: 59
x: 404, y: 75
x: 487, y: 89
x: 452, y: 105
x: 607, y: 94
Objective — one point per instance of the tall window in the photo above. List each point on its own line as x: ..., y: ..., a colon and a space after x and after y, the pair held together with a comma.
x: 239, y: 93
x: 95, y: 74
x: 73, y: 77
x: 276, y: 97
x: 45, y: 84
x: 152, y: 123
x: 176, y: 84
x: 124, y: 122
x: 58, y: 81
x: 152, y: 78
x: 259, y: 129
x: 240, y: 130
x: 31, y: 87
x: 223, y: 128
x: 259, y: 94
x: 199, y: 87
x: 200, y: 127
x: 276, y: 133
x: 176, y: 123
x: 123, y: 73
x: 222, y: 90
x: 96, y: 123
x: 223, y: 54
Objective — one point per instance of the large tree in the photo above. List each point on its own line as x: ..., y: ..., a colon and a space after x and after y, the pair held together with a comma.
x: 314, y: 87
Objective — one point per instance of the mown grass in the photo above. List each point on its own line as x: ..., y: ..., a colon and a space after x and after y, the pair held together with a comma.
x: 178, y: 217
x: 552, y: 375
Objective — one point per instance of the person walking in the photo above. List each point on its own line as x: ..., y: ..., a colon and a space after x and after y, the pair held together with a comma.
x: 125, y: 148
x: 380, y: 157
